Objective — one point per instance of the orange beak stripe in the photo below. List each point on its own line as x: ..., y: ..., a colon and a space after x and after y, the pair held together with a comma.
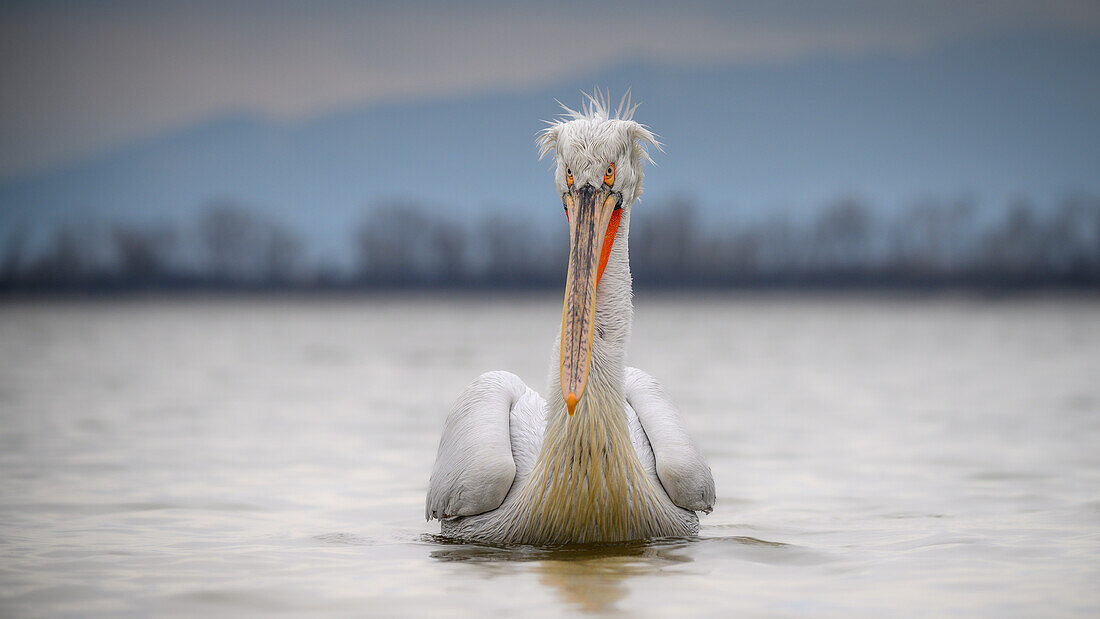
x: 608, y: 241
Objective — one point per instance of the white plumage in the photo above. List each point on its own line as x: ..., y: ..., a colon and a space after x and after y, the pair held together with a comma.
x: 606, y: 456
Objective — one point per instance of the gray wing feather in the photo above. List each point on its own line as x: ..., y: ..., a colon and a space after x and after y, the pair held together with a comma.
x: 474, y: 467
x: 680, y: 465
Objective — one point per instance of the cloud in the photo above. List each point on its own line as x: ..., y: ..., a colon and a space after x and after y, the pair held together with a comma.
x: 75, y: 79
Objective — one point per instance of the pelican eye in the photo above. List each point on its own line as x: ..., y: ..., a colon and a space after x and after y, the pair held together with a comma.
x: 609, y: 175
x: 568, y: 176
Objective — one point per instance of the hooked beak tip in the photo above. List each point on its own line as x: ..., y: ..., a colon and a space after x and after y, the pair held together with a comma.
x: 571, y: 402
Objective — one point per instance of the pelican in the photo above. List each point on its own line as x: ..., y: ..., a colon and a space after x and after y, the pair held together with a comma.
x: 606, y: 457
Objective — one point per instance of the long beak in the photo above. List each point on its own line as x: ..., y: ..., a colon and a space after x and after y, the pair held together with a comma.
x: 593, y: 221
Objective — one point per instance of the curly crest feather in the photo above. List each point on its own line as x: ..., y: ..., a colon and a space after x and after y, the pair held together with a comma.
x: 586, y: 141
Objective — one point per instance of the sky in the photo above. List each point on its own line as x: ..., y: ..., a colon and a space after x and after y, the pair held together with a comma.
x: 78, y: 79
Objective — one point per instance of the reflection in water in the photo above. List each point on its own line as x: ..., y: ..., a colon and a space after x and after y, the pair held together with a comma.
x: 597, y: 584
x: 587, y: 577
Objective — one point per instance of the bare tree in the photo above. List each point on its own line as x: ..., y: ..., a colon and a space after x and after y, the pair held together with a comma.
x: 1013, y: 249
x: 72, y: 259
x: 388, y: 241
x: 142, y: 254
x: 449, y: 242
x: 242, y: 247
x: 513, y: 252
x: 281, y: 255
x: 226, y: 231
x: 841, y: 235
x: 782, y: 251
x: 14, y: 254
x: 664, y: 241
x: 1072, y: 244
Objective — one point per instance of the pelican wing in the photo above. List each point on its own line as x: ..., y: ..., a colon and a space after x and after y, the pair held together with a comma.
x: 680, y: 466
x: 474, y: 467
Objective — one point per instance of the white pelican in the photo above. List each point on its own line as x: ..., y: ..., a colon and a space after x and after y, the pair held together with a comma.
x: 606, y: 457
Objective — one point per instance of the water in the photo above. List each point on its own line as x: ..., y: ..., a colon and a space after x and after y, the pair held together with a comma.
x: 873, y: 457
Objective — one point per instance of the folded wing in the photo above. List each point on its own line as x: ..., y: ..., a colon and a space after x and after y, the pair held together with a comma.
x: 474, y: 467
x: 680, y: 465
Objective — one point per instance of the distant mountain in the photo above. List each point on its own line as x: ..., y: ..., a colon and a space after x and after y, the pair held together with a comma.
x: 991, y: 120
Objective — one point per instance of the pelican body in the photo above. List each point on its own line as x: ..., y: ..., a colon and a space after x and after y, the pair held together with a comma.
x: 605, y: 457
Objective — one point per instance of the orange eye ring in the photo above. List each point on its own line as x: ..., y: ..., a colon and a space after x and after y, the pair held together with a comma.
x: 609, y: 175
x: 568, y: 176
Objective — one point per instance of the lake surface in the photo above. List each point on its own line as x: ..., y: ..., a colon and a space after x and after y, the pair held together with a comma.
x: 874, y: 456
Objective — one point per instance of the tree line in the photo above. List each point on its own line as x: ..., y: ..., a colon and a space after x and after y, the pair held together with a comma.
x: 230, y: 246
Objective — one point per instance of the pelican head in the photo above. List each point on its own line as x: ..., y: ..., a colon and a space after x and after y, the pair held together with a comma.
x: 598, y: 176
